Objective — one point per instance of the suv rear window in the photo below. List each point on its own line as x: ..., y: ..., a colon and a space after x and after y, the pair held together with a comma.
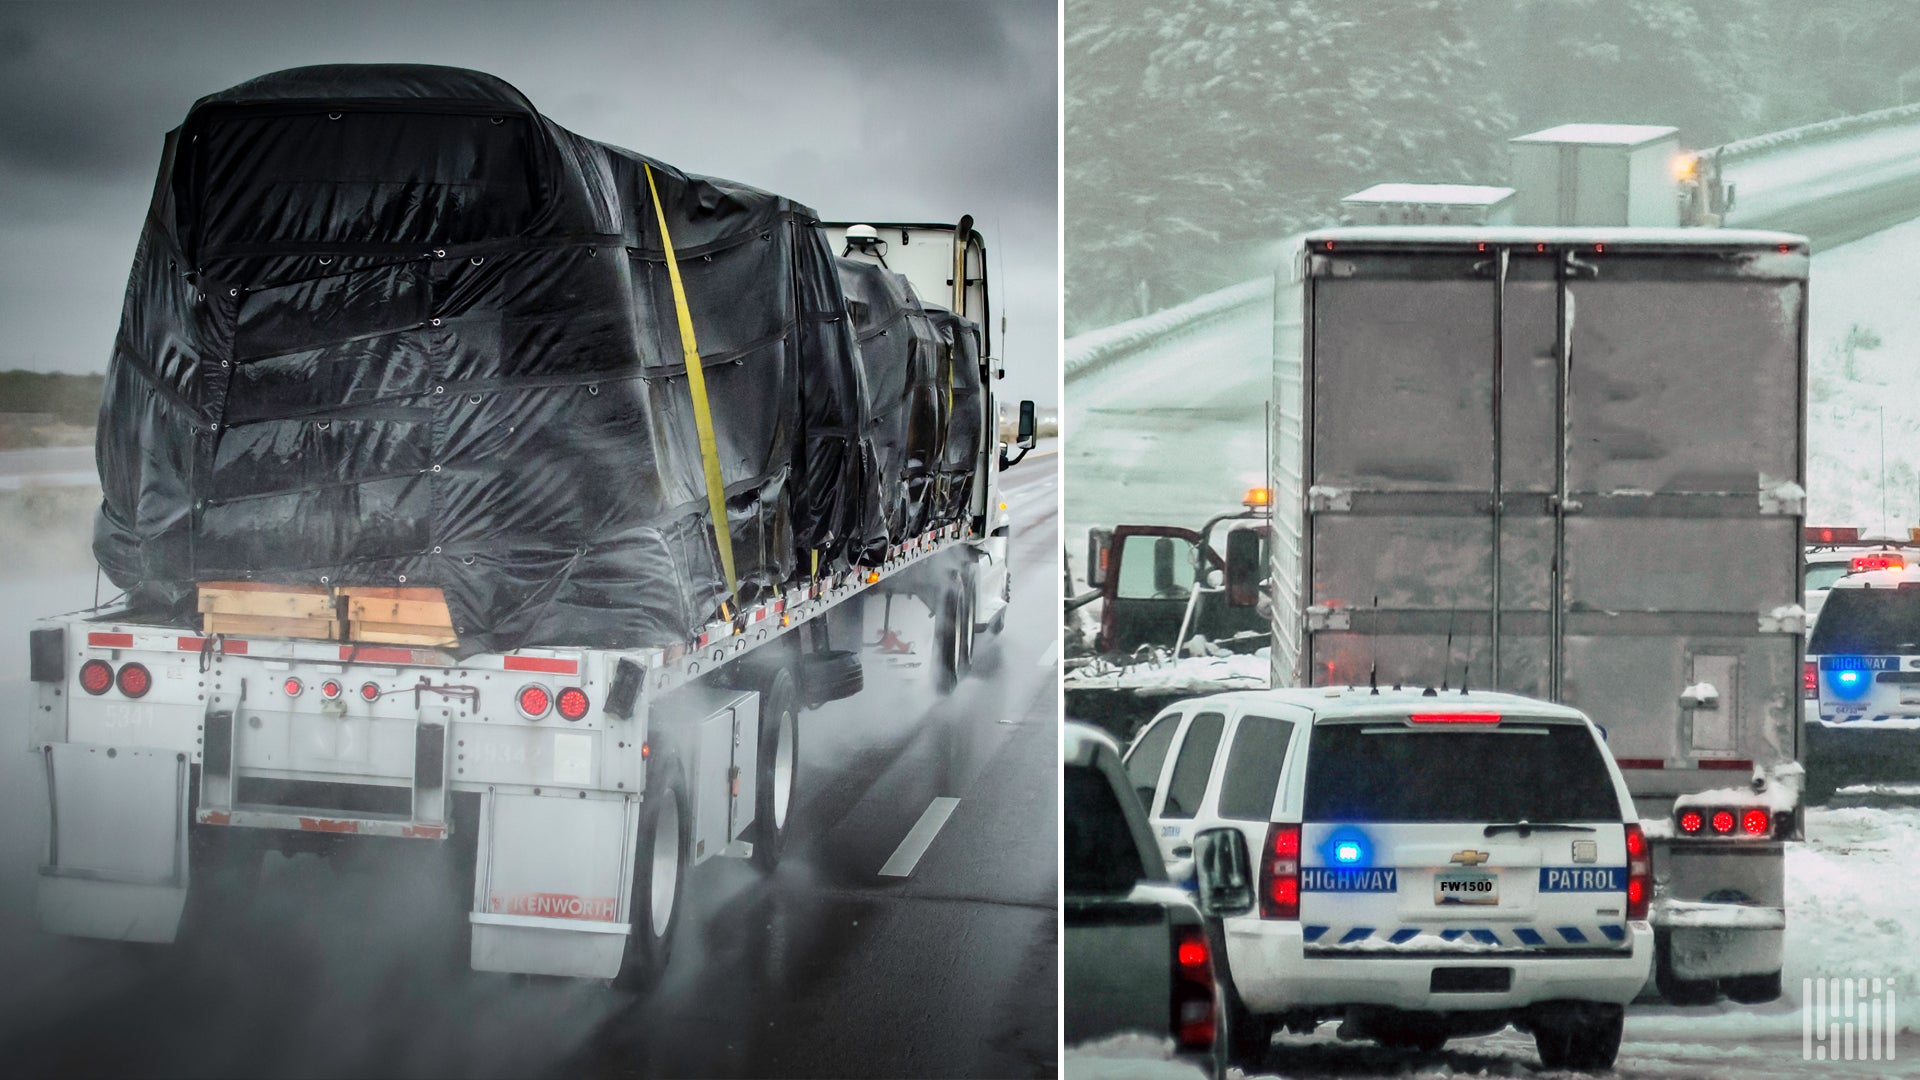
x: 1101, y: 856
x: 1378, y: 772
x: 1868, y: 621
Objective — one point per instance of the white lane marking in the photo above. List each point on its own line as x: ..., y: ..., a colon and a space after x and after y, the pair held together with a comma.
x: 919, y: 838
x: 1047, y: 658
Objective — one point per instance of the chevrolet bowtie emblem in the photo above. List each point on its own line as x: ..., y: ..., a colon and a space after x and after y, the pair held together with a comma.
x: 1470, y: 858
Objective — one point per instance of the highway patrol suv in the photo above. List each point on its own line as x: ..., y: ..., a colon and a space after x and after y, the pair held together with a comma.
x: 1864, y: 654
x: 1429, y: 865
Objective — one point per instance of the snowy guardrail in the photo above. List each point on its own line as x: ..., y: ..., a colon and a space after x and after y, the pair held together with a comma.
x: 1094, y: 349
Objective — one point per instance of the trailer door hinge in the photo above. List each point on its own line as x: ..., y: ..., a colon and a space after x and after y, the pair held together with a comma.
x: 1322, y: 617
x: 1322, y: 499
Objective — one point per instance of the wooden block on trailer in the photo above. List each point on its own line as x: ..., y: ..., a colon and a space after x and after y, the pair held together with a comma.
x: 401, y: 634
x: 268, y: 626
x: 265, y: 601
x: 410, y: 612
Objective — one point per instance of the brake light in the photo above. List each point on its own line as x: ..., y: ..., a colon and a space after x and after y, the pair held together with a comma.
x: 370, y: 691
x: 572, y: 703
x: 1755, y: 822
x: 1639, y: 873
x: 1828, y: 534
x: 1879, y: 561
x: 330, y: 689
x: 291, y: 687
x: 1193, y: 1019
x: 1810, y: 680
x: 534, y: 701
x: 1456, y: 718
x: 134, y: 680
x: 1723, y: 821
x: 96, y: 676
x: 1691, y: 822
x: 1280, y: 873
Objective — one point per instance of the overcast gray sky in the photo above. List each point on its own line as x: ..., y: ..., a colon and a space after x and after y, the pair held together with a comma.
x: 915, y: 111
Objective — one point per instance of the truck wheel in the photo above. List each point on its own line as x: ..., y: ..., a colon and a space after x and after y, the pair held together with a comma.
x: 1676, y: 990
x: 779, y: 758
x: 1249, y: 1037
x: 659, y: 873
x: 946, y: 636
x: 1753, y: 989
x: 829, y: 675
x: 1585, y: 1037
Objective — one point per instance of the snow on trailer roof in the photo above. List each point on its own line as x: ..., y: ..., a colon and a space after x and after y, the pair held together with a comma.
x: 1432, y: 194
x: 1338, y: 702
x: 1601, y: 134
x: 1642, y: 236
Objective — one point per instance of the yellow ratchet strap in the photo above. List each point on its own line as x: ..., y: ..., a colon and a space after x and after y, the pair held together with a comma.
x: 697, y: 386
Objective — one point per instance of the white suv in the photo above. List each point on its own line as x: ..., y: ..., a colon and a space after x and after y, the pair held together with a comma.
x: 1428, y: 866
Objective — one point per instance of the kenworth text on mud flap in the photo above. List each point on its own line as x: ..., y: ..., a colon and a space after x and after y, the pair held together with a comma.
x: 474, y: 482
x: 1604, y: 429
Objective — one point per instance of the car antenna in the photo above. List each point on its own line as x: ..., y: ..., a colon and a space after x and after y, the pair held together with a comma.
x: 1373, y: 661
x: 1466, y: 669
x: 1448, y: 662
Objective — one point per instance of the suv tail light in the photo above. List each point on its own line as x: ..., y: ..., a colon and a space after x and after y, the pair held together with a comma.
x: 1639, y: 872
x: 1810, y: 680
x: 1193, y: 990
x: 1280, y: 873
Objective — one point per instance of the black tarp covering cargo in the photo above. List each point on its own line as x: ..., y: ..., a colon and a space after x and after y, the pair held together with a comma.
x: 905, y: 358
x: 966, y: 416
x: 387, y: 324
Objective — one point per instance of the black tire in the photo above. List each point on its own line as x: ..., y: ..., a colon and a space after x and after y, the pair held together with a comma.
x: 1753, y: 989
x: 829, y: 675
x: 223, y: 874
x: 965, y: 628
x: 650, y: 940
x: 774, y: 778
x: 1676, y: 990
x: 1249, y: 1037
x: 1583, y: 1038
x: 946, y: 637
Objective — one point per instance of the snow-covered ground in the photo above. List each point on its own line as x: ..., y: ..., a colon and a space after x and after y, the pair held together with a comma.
x: 1864, y: 340
x: 1850, y: 913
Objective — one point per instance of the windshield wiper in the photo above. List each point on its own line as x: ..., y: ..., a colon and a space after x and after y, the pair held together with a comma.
x: 1528, y: 828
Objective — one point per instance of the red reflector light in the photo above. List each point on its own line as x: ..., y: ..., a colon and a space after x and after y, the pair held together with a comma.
x: 134, y: 680
x: 1456, y: 718
x: 1730, y: 764
x: 1879, y: 561
x: 1755, y: 822
x: 1723, y: 821
x: 291, y: 686
x: 572, y: 703
x: 110, y: 641
x: 1692, y: 822
x: 1193, y: 952
x: 330, y: 689
x: 96, y: 676
x: 370, y: 691
x: 534, y: 701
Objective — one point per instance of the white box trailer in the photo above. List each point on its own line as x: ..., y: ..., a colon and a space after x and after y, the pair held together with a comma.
x: 1428, y: 204
x: 1597, y: 174
x: 1568, y: 463
x: 588, y: 781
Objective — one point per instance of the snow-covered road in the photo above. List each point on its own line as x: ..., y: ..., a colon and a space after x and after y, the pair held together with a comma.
x: 1850, y: 913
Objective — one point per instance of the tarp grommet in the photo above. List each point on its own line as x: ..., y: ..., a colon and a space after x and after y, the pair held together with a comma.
x: 403, y: 579
x: 439, y: 389
x: 325, y: 580
x: 326, y: 260
x: 466, y: 560
x: 593, y: 389
x: 433, y: 322
x: 477, y: 259
x: 436, y: 468
x: 233, y: 292
x: 473, y: 399
x: 436, y: 549
x: 439, y: 253
x: 333, y: 116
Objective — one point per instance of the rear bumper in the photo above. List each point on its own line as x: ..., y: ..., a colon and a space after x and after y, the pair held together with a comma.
x: 1274, y: 971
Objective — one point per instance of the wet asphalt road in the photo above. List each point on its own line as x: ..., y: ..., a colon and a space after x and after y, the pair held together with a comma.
x: 352, y: 965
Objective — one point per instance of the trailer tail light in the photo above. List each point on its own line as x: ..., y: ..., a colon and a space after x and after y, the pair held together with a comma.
x: 1639, y: 872
x: 1810, y: 680
x: 534, y: 701
x: 292, y: 687
x: 1193, y: 989
x: 1879, y: 560
x: 134, y: 680
x: 1829, y: 534
x: 330, y: 689
x: 1723, y: 821
x: 370, y: 691
x: 1755, y: 821
x: 572, y: 703
x: 96, y: 677
x: 1280, y: 873
x: 1691, y: 822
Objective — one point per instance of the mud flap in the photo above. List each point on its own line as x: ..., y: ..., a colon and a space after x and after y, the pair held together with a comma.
x: 553, y: 884
x: 116, y: 859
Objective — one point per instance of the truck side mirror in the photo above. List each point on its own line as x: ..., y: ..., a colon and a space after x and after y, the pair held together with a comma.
x: 1729, y: 197
x: 1026, y: 434
x: 1163, y: 555
x: 1245, y: 566
x: 1099, y: 550
x: 1223, y: 873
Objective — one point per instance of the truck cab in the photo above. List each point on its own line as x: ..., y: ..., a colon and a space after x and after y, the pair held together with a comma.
x: 1164, y: 585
